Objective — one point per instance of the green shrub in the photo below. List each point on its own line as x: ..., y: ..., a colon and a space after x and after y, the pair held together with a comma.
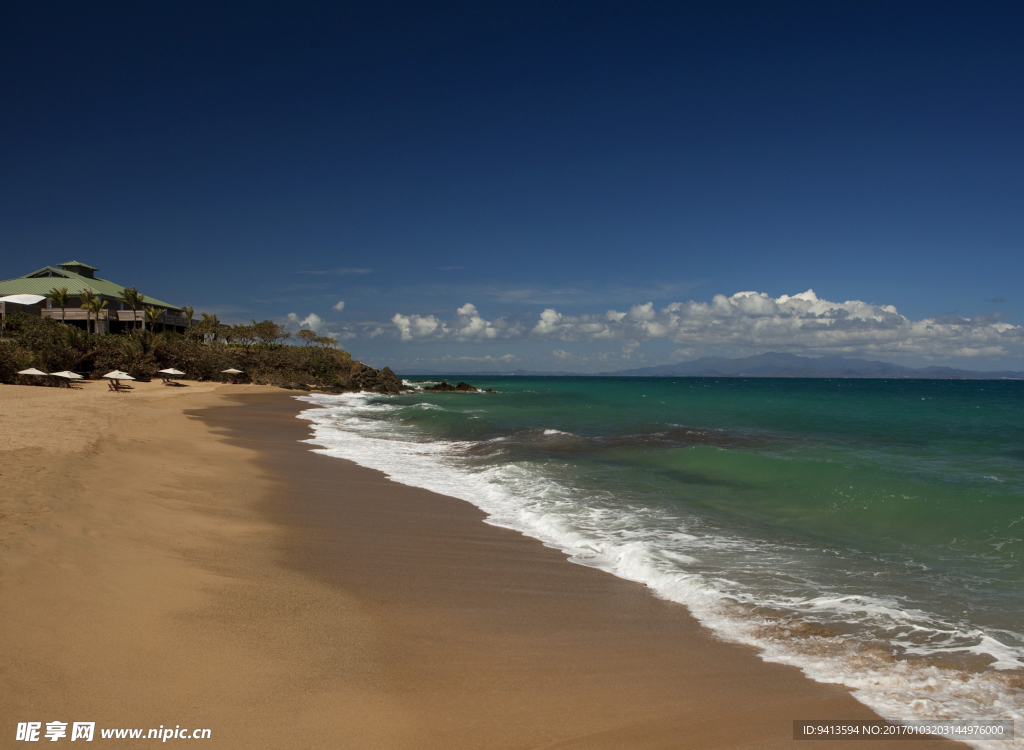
x: 12, y: 359
x: 201, y: 353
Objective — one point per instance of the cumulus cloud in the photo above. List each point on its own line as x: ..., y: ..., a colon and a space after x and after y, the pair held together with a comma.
x: 417, y: 326
x: 468, y: 325
x: 747, y: 321
x: 567, y: 357
x: 755, y: 320
x: 339, y: 306
x: 312, y: 321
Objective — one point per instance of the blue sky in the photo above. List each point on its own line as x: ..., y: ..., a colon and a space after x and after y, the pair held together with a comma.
x: 409, y: 159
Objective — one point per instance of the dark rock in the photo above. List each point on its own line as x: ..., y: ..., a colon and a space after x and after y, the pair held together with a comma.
x: 447, y: 387
x: 365, y: 378
x: 442, y: 386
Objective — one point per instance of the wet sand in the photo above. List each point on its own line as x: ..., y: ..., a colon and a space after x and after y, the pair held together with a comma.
x: 182, y: 559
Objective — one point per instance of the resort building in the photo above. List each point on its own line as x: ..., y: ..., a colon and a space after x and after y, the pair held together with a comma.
x: 77, y: 278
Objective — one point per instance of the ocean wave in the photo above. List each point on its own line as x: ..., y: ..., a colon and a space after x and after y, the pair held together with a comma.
x: 900, y: 660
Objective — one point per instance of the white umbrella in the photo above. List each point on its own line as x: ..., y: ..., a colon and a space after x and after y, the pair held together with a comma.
x: 232, y: 371
x: 171, y: 371
x: 67, y: 374
x: 32, y: 371
x: 118, y: 375
x: 23, y: 299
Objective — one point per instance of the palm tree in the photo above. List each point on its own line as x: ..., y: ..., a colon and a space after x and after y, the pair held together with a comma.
x: 88, y: 299
x: 60, y: 297
x: 210, y: 327
x: 96, y: 307
x: 188, y: 311
x: 134, y: 300
x: 153, y: 314
x: 142, y: 303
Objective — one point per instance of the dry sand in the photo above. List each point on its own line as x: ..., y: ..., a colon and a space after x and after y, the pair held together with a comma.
x: 177, y: 557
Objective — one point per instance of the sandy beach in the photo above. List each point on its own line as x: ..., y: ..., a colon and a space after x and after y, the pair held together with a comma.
x: 176, y: 557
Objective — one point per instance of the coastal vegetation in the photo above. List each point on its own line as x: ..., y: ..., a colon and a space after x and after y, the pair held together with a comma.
x: 260, y: 350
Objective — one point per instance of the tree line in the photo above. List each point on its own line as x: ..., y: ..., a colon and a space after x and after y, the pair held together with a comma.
x: 266, y: 333
x: 202, y: 351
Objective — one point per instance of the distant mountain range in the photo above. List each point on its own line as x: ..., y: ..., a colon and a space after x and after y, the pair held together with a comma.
x: 776, y: 365
x: 768, y: 365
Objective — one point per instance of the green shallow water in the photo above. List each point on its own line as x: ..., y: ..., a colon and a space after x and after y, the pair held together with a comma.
x: 930, y: 467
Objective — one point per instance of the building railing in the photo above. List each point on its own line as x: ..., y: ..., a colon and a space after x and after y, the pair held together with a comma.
x: 69, y: 313
x: 122, y: 316
x: 168, y: 318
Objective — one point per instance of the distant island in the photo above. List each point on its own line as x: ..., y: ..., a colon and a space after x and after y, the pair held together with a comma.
x: 779, y: 365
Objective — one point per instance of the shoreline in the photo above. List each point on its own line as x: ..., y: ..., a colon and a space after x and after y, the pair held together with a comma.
x: 203, y: 565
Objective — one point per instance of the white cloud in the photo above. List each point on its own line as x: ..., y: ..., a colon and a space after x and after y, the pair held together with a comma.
x: 487, y: 358
x: 418, y: 326
x: 549, y: 322
x: 567, y: 357
x: 754, y: 320
x: 339, y: 306
x: 468, y: 325
x: 312, y: 321
x: 748, y: 321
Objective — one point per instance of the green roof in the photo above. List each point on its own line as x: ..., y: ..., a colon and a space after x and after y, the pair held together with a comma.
x: 80, y: 265
x: 48, y: 277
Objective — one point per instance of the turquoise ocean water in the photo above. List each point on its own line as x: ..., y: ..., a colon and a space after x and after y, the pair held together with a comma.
x: 867, y: 531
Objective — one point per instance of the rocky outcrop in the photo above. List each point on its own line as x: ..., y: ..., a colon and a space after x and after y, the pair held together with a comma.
x: 360, y: 377
x: 365, y: 378
x: 448, y: 387
x: 462, y: 387
x: 442, y: 386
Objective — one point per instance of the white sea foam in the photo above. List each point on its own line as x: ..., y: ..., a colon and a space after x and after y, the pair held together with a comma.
x: 674, y: 561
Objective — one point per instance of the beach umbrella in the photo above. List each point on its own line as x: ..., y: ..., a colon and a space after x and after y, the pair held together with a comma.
x: 23, y: 299
x: 118, y: 375
x: 67, y: 374
x: 171, y: 371
x: 232, y: 371
x: 32, y: 371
